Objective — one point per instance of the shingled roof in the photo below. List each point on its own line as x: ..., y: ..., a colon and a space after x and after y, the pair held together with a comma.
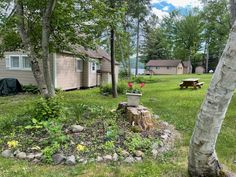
x: 171, y: 63
x: 99, y: 53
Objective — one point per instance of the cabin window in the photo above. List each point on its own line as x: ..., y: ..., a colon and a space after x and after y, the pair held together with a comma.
x: 167, y: 67
x: 26, y: 62
x: 79, y: 65
x: 157, y: 67
x: 15, y: 62
x: 93, y: 66
x: 18, y: 62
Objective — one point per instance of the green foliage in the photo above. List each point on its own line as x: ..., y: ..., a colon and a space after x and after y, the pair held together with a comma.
x: 30, y: 89
x: 107, y: 88
x: 50, y: 108
x: 136, y: 142
x: 49, y: 151
x: 109, y: 146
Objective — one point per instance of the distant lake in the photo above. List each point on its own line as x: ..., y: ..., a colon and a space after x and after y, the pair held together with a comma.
x: 140, y: 71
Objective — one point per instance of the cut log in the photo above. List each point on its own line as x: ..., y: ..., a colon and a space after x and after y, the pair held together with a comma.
x: 137, y: 116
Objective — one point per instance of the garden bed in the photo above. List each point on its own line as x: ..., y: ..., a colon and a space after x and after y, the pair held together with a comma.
x: 92, y: 134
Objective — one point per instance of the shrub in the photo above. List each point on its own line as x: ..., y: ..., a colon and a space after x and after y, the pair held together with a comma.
x: 136, y: 142
x: 51, y: 108
x: 107, y: 88
x: 30, y: 89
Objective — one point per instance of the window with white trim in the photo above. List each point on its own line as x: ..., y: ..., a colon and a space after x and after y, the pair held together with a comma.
x: 26, y: 62
x: 18, y: 62
x: 15, y: 62
x: 93, y: 66
x: 79, y: 65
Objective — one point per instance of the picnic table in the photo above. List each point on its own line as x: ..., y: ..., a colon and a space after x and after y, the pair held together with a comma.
x: 191, y: 82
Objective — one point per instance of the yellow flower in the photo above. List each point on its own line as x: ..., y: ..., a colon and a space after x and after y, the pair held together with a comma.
x: 12, y: 144
x: 80, y: 148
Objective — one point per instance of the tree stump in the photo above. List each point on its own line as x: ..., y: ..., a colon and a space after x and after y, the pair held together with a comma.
x: 138, y: 116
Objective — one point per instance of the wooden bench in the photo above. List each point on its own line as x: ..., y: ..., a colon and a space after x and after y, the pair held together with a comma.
x: 199, y: 84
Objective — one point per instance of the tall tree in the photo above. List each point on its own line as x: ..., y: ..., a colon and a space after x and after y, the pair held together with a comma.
x: 203, y: 160
x: 113, y: 79
x: 138, y: 10
x: 215, y: 20
x: 50, y: 26
x: 155, y: 44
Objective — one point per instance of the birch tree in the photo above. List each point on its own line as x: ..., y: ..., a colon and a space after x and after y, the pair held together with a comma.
x: 202, y: 158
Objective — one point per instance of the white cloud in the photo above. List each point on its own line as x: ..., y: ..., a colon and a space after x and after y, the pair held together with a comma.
x: 166, y: 8
x: 159, y: 13
x: 181, y: 3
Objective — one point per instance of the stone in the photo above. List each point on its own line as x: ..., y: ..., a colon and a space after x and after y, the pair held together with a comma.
x: 35, y: 161
x: 115, y: 157
x: 165, y: 136
x: 77, y: 128
x: 38, y: 155
x: 16, y: 152
x: 30, y: 156
x: 139, y: 153
x: 83, y: 161
x: 91, y: 160
x: 154, y: 153
x: 166, y: 131
x: 107, y: 158
x: 165, y: 124
x: 234, y: 161
x: 138, y: 159
x: 99, y: 159
x: 125, y: 153
x: 7, y: 153
x: 70, y: 160
x: 129, y: 159
x: 21, y: 155
x: 155, y: 146
x: 58, y: 158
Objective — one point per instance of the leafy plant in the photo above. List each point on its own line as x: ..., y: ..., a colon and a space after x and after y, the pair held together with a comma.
x: 49, y: 151
x: 136, y: 142
x: 51, y: 108
x: 109, y: 146
x: 107, y: 88
x: 30, y: 89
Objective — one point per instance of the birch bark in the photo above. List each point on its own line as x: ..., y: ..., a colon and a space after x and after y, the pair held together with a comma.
x: 203, y: 160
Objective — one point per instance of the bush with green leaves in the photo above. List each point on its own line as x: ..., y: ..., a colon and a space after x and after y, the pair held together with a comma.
x: 107, y: 88
x: 30, y: 89
x: 136, y: 142
x: 50, y: 108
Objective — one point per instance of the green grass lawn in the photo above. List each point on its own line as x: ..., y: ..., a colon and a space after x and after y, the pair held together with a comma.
x: 178, y: 107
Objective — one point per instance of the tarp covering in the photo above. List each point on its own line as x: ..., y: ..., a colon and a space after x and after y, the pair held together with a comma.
x: 9, y: 86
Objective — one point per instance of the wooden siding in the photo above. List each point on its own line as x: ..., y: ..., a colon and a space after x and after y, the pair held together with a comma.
x: 105, y: 66
x: 66, y: 75
x: 163, y: 70
x: 25, y: 77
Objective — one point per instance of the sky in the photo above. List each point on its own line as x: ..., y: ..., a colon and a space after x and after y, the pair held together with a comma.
x: 162, y: 7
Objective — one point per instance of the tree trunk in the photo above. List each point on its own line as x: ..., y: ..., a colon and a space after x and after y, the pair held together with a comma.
x: 233, y: 10
x: 137, y: 48
x: 38, y: 75
x: 207, y: 57
x: 203, y: 160
x: 45, y: 47
x: 122, y: 55
x: 113, y: 76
